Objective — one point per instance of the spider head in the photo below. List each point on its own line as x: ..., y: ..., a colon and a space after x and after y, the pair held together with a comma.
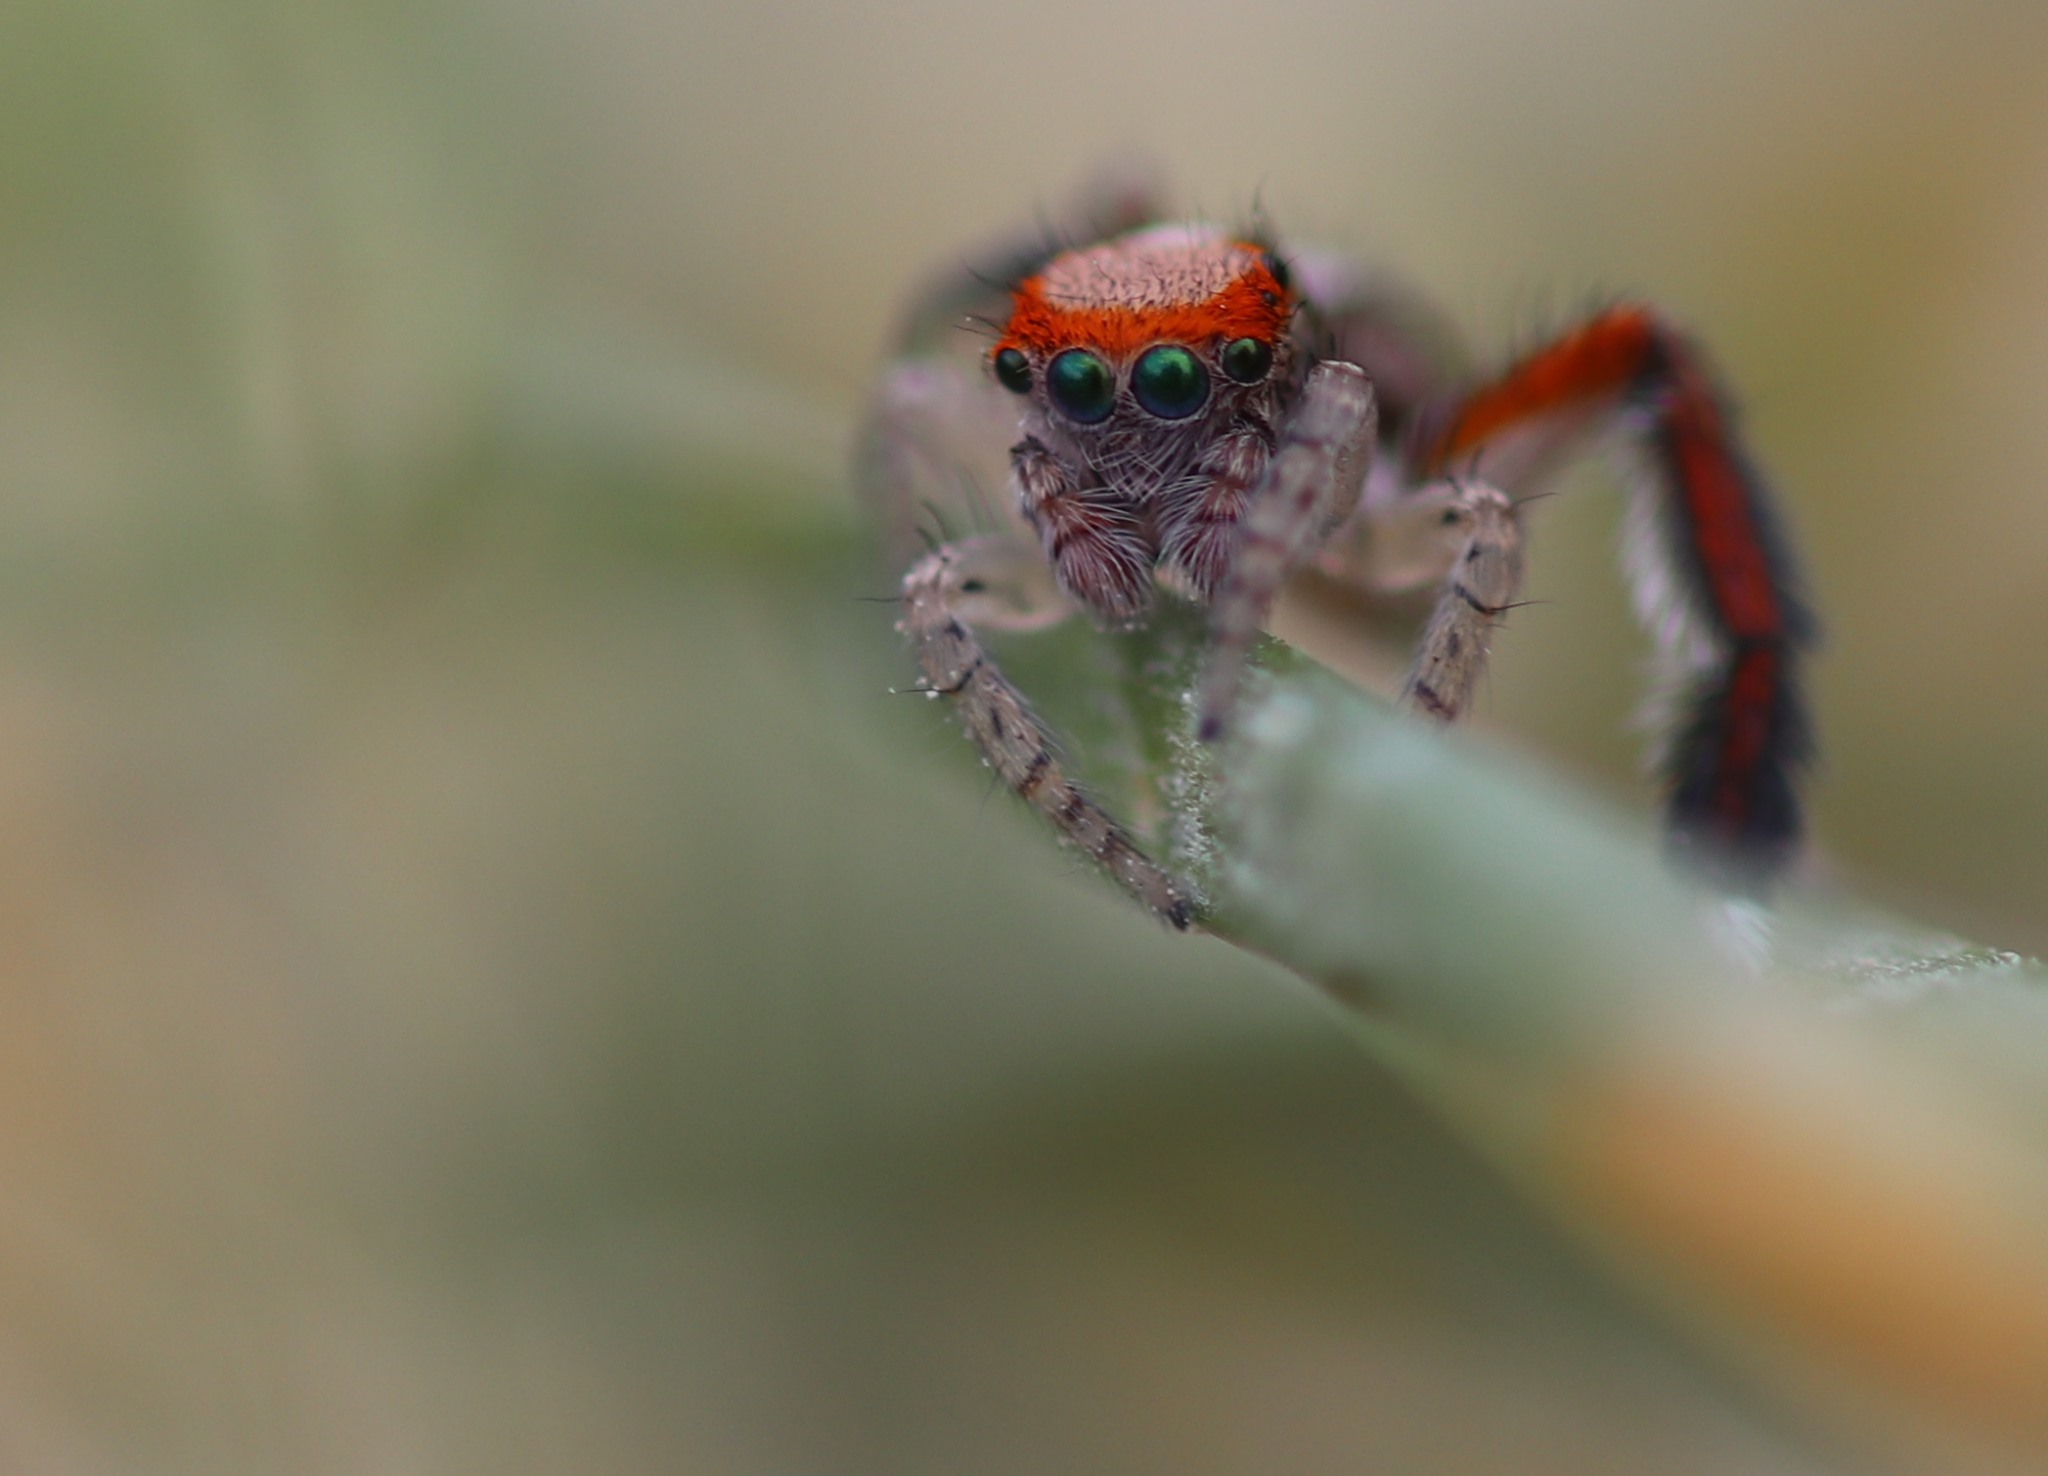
x: 1136, y: 353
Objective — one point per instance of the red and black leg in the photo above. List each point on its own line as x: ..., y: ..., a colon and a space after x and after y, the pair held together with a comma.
x: 1715, y: 579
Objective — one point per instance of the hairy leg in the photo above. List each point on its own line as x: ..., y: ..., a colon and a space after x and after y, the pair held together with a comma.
x: 1484, y: 578
x: 938, y: 594
x: 1091, y: 535
x: 1199, y: 526
x: 1311, y: 484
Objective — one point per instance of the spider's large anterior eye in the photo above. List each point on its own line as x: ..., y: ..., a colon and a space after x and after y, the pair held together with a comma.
x: 1081, y: 385
x: 1247, y: 360
x: 1170, y: 382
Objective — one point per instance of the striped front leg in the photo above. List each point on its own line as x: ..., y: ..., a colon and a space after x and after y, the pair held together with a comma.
x: 1311, y: 484
x: 957, y: 667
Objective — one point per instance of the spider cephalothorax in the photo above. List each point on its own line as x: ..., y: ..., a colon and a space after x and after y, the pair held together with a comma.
x: 1152, y: 369
x: 1193, y: 408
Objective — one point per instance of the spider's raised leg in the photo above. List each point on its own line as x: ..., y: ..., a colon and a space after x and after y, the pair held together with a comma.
x: 1312, y: 483
x: 940, y: 593
x: 1714, y: 581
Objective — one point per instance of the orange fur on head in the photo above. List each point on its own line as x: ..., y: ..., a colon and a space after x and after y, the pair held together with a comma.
x: 1161, y: 286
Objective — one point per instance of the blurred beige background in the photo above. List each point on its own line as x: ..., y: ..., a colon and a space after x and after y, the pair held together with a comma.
x: 490, y: 983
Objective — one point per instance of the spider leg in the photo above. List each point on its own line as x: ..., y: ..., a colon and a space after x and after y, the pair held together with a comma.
x: 1463, y: 537
x: 1484, y: 578
x: 1091, y: 535
x: 1714, y: 579
x: 1200, y: 522
x: 1311, y: 484
x: 939, y: 593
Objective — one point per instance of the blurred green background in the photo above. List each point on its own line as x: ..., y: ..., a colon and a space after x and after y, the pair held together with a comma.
x: 492, y: 983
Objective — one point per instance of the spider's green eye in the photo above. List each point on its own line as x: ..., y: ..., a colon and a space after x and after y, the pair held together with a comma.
x: 1081, y: 385
x: 1170, y: 382
x: 1013, y: 371
x: 1247, y: 360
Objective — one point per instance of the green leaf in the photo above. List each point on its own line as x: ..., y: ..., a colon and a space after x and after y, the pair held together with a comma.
x: 1814, y: 1139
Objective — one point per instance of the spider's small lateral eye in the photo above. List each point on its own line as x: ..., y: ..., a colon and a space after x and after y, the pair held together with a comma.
x: 1013, y: 371
x: 1247, y: 360
x: 1280, y: 271
x: 1081, y: 385
x: 1170, y: 382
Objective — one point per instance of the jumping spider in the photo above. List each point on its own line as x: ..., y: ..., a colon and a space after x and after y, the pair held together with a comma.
x: 1196, y: 407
